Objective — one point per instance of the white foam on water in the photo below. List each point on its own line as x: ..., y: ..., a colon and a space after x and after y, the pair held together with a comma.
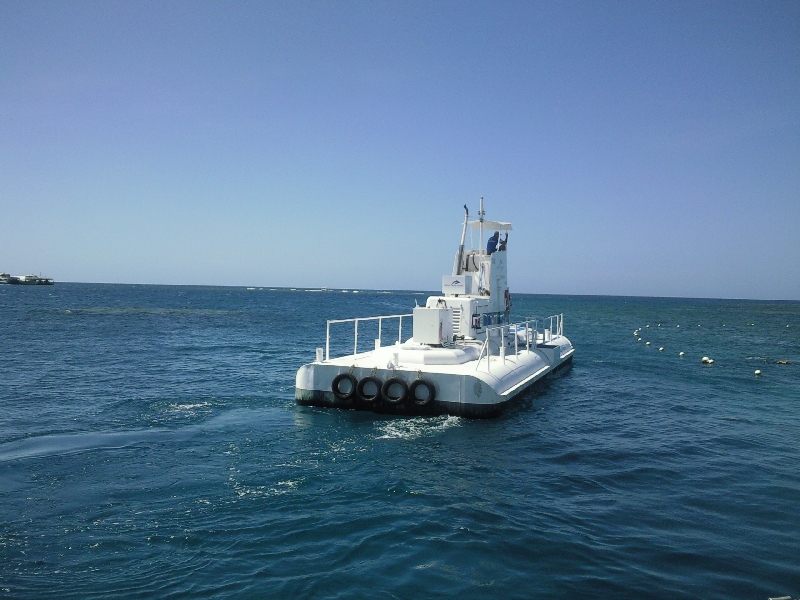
x: 70, y: 443
x: 282, y: 487
x: 409, y: 429
x: 185, y: 407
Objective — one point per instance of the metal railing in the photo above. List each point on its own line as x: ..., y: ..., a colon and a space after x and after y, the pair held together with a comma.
x: 535, y: 330
x: 557, y: 325
x: 355, y: 333
x: 555, y: 330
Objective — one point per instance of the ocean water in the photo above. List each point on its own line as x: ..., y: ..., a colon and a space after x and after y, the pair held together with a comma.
x: 150, y: 447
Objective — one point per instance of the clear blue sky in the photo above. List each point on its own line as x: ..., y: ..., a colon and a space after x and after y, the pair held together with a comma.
x: 639, y: 148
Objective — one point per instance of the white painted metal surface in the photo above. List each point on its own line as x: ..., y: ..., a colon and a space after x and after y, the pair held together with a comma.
x: 462, y: 346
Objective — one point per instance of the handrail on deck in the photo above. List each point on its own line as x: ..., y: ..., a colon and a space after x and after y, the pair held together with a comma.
x: 487, y: 350
x: 355, y: 336
x: 555, y: 330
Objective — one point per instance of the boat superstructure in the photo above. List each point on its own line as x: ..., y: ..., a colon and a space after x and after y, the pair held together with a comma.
x: 25, y: 279
x: 464, y: 357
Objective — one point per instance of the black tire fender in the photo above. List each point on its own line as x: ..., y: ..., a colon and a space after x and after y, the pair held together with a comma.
x: 412, y: 392
x: 389, y: 383
x: 335, y: 386
x: 360, y: 389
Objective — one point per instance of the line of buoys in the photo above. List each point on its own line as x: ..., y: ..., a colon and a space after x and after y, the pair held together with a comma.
x: 705, y: 360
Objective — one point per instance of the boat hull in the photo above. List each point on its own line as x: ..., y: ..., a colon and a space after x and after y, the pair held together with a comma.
x: 21, y: 281
x: 474, y: 389
x: 326, y: 399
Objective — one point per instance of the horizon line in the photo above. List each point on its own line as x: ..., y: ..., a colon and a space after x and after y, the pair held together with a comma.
x: 416, y: 291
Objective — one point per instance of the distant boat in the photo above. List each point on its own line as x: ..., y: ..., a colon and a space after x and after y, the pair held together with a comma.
x: 25, y: 279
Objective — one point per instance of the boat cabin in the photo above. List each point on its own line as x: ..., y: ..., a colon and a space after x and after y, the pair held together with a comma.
x: 475, y: 296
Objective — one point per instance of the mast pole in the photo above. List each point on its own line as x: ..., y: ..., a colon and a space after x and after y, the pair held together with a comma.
x: 460, y: 253
x: 480, y: 220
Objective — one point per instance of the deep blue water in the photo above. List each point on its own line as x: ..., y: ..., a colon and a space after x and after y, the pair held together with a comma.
x: 150, y: 447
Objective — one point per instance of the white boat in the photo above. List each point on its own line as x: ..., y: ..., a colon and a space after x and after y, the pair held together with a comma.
x: 464, y: 356
x: 25, y: 279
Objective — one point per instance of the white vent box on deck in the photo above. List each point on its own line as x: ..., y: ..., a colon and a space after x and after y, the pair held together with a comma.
x: 433, y: 326
x: 457, y: 285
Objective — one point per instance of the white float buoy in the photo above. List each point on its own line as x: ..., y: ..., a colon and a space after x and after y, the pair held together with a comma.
x: 677, y: 325
x: 647, y: 343
x: 648, y: 326
x: 758, y: 372
x: 639, y: 340
x: 707, y: 361
x: 661, y: 349
x: 680, y: 353
x: 659, y: 324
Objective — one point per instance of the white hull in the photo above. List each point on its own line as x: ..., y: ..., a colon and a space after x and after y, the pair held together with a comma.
x: 473, y: 388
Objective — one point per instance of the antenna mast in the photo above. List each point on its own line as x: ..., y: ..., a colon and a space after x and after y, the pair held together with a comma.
x: 481, y: 212
x: 460, y: 253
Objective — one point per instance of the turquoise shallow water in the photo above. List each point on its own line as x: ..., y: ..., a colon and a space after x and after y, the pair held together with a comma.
x: 150, y: 447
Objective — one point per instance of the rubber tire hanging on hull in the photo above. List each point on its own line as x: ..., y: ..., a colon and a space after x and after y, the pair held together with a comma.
x: 389, y: 383
x: 335, y: 386
x: 412, y: 392
x: 360, y: 389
